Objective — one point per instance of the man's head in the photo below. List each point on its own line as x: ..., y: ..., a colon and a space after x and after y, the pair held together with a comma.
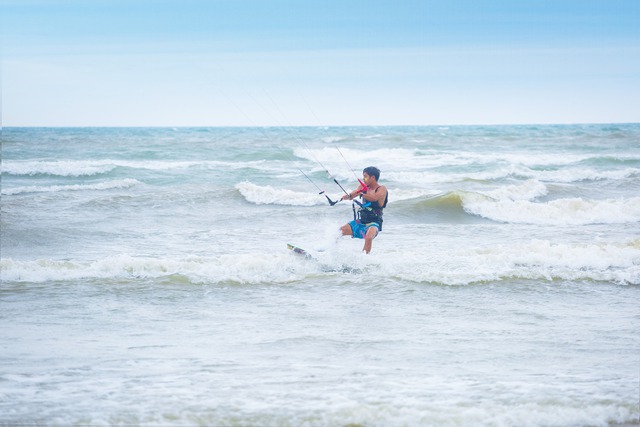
x: 372, y: 171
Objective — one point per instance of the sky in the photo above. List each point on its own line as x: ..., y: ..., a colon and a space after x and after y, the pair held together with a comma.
x: 318, y: 62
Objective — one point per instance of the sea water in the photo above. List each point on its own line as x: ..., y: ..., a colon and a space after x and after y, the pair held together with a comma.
x: 146, y: 278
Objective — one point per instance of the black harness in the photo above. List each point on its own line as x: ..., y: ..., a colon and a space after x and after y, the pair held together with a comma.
x: 370, y: 211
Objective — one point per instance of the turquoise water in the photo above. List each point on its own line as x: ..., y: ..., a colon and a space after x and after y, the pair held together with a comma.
x: 146, y: 280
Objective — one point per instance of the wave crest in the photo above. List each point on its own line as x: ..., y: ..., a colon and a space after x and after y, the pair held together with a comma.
x: 79, y: 168
x: 570, y: 211
x: 268, y: 195
x: 518, y: 204
x: 535, y: 260
x: 109, y: 185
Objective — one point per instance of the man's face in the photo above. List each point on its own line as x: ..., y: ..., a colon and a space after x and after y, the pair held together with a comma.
x: 366, y: 177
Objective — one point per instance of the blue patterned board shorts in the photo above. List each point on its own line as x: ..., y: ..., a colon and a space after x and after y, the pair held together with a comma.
x: 359, y: 230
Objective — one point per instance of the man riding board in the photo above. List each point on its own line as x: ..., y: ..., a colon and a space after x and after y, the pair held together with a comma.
x: 368, y: 222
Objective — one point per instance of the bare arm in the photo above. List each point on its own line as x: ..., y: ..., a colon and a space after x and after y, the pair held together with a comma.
x: 351, y: 195
x: 377, y: 196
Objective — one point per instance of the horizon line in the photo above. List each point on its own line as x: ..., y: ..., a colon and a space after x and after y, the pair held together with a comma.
x: 319, y: 126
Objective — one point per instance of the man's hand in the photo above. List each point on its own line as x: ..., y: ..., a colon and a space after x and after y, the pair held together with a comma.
x: 363, y: 187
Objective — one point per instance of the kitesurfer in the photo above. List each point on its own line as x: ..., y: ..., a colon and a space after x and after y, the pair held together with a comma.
x: 367, y: 221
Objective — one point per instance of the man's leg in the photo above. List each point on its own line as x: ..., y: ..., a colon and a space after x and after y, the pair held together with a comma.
x: 372, y: 232
x: 346, y: 230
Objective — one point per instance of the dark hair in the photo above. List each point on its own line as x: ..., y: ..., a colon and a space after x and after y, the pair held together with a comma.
x: 372, y: 171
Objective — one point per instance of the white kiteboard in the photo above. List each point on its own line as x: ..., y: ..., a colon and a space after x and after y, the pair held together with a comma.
x: 299, y: 251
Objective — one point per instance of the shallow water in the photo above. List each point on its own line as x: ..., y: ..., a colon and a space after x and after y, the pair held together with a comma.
x: 146, y: 280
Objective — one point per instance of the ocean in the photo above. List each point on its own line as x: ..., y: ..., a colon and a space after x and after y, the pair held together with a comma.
x: 146, y: 278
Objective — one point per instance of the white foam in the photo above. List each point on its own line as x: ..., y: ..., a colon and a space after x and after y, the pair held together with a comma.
x: 333, y: 139
x: 535, y: 260
x: 77, y: 168
x: 421, y: 157
x: 415, y: 165
x: 268, y: 195
x: 240, y: 268
x: 569, y: 211
x: 409, y: 176
x: 72, y: 168
x: 584, y: 174
x: 385, y: 159
x: 527, y: 190
x: 413, y: 177
x: 398, y: 194
x: 108, y: 185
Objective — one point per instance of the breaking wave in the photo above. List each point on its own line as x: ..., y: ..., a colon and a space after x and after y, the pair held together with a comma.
x: 535, y: 260
x: 109, y: 185
x: 79, y: 168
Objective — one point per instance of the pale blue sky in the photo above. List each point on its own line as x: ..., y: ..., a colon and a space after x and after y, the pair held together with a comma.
x: 324, y: 62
